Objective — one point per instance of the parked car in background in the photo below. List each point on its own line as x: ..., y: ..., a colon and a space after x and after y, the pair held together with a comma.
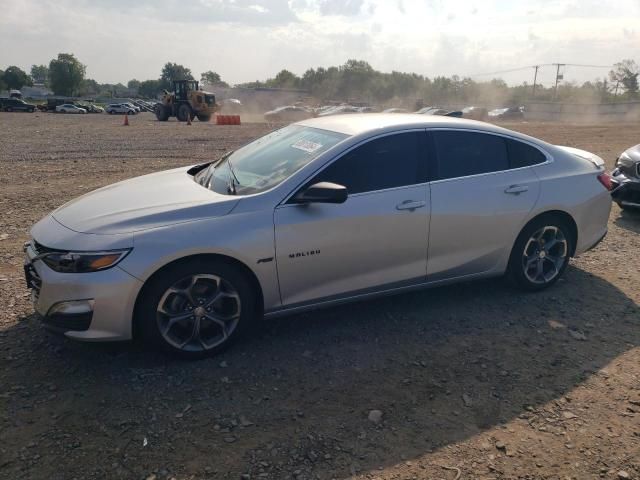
x: 325, y: 211
x: 395, y: 110
x: 231, y: 106
x: 626, y: 179
x: 508, y: 113
x: 90, y: 107
x: 339, y: 110
x: 289, y: 113
x: 135, y: 107
x: 475, y: 113
x: 69, y: 108
x: 16, y: 105
x: 440, y: 111
x: 120, y: 108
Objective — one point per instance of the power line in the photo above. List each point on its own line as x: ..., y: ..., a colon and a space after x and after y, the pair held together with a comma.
x: 519, y: 69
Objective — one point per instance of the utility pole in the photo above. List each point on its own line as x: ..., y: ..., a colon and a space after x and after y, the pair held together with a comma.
x: 535, y: 78
x: 558, y: 78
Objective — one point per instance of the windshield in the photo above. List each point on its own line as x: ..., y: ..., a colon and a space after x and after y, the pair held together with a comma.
x: 267, y: 161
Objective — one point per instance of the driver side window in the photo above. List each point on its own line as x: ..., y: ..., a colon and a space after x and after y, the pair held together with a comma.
x: 387, y: 162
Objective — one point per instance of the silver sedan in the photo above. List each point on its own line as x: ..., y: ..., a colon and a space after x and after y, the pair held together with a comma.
x: 324, y: 211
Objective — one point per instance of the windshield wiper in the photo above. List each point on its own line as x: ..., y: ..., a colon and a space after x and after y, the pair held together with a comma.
x: 233, y: 179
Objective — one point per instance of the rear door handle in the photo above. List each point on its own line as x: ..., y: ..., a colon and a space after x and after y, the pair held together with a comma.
x: 516, y: 189
x: 411, y: 205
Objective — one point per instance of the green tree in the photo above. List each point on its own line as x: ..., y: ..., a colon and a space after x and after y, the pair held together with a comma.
x: 3, y: 86
x: 40, y: 74
x: 212, y: 78
x: 284, y: 79
x: 133, y: 84
x: 626, y: 73
x: 174, y: 71
x: 89, y: 87
x: 15, y: 77
x: 150, y: 88
x: 66, y: 74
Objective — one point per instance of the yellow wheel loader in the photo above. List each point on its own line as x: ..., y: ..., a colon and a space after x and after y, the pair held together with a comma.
x: 186, y: 102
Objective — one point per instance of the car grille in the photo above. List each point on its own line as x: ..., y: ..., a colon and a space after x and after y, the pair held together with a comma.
x: 40, y: 249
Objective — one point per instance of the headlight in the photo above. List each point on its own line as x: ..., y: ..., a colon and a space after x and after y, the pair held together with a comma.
x: 83, y: 262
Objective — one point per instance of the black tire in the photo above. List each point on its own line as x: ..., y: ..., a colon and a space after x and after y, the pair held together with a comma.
x: 184, y: 112
x: 8, y: 109
x: 554, y: 259
x: 110, y: 112
x: 162, y: 113
x: 158, y: 293
x: 203, y: 117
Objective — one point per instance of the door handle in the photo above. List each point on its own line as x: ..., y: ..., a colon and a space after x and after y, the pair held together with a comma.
x: 516, y: 189
x: 411, y: 205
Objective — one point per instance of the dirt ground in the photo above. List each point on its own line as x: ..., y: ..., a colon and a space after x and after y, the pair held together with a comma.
x: 472, y: 380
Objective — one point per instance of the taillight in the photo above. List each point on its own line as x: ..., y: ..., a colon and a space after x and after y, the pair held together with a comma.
x: 606, y: 181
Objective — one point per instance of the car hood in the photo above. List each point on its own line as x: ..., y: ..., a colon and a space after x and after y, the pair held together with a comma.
x: 633, y: 153
x: 141, y: 203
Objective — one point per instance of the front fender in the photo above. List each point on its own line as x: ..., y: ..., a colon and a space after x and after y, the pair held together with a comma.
x: 246, y: 237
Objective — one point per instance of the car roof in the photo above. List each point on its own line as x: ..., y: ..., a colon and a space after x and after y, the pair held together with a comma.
x: 357, y: 124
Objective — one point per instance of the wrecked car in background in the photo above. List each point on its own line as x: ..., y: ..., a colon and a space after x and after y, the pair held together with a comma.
x: 440, y: 111
x: 508, y: 113
x: 475, y: 113
x: 626, y: 179
x: 289, y: 113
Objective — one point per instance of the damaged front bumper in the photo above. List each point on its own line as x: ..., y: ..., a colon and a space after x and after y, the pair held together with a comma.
x: 626, y: 191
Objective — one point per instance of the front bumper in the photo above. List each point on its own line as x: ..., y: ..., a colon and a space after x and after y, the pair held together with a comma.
x: 627, y: 191
x: 96, y: 306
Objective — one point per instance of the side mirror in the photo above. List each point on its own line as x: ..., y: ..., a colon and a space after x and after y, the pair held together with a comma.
x: 323, y: 192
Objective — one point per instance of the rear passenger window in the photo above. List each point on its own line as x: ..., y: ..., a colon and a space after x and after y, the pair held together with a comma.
x: 387, y: 162
x: 461, y: 154
x: 523, y: 155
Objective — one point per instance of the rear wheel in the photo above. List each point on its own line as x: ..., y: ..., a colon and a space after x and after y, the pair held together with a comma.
x: 184, y: 112
x: 197, y: 308
x: 541, y: 253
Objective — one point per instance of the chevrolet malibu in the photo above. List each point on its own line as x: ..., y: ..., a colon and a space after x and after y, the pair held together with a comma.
x: 323, y: 211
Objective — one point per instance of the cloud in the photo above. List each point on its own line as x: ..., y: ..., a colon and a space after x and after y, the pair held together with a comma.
x: 340, y: 7
x: 244, y: 12
x: 245, y: 40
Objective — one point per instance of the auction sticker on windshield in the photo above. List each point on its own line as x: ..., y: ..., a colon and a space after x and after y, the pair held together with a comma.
x: 307, y: 146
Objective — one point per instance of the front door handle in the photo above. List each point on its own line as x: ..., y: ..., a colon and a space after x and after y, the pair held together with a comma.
x: 411, y: 205
x: 516, y: 189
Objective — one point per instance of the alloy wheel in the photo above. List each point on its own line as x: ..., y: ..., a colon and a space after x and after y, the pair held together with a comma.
x: 198, y: 312
x: 545, y: 254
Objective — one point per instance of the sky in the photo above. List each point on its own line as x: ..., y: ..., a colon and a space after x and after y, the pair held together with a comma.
x: 247, y: 40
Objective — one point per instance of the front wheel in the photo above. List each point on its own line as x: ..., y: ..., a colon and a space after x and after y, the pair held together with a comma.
x: 184, y: 112
x: 541, y: 253
x: 197, y: 308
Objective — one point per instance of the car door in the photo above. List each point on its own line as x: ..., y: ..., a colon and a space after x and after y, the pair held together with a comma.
x: 482, y: 192
x: 376, y: 239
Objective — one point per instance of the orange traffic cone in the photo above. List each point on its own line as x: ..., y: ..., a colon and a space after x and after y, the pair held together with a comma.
x: 126, y: 120
x: 188, y: 119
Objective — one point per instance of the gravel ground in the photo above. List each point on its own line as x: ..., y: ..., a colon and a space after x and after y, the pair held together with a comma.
x: 467, y: 381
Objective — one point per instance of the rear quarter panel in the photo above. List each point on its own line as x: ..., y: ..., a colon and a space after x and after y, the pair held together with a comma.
x: 570, y: 184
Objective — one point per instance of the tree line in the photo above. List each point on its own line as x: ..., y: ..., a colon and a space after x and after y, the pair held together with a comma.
x: 355, y: 80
